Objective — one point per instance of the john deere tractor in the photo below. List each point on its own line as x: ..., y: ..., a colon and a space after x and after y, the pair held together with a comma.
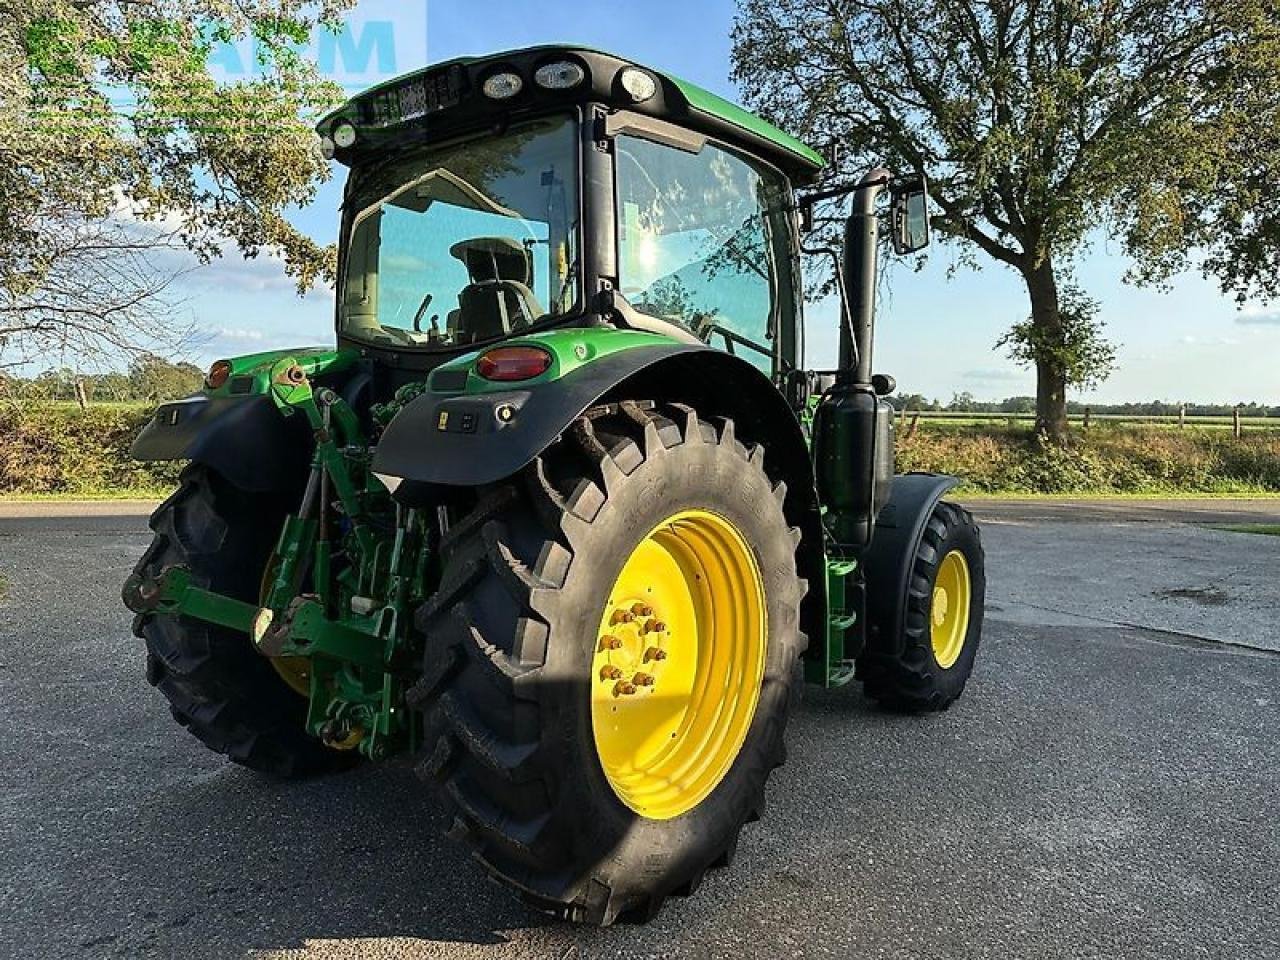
x: 562, y: 515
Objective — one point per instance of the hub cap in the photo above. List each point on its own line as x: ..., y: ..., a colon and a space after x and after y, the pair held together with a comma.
x: 952, y: 595
x: 679, y: 660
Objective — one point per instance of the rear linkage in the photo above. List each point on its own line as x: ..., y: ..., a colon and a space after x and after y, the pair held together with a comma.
x: 352, y: 627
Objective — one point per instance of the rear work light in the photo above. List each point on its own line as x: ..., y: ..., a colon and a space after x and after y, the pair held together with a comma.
x: 218, y: 374
x: 510, y: 364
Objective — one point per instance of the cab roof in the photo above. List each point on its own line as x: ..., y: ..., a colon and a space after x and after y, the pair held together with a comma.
x: 449, y: 95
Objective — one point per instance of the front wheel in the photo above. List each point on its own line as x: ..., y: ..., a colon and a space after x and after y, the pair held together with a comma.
x: 928, y: 665
x: 609, y: 662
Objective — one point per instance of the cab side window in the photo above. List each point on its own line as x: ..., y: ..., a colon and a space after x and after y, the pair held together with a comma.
x: 697, y: 243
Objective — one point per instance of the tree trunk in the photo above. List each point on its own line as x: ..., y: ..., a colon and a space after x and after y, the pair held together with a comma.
x: 1051, y: 375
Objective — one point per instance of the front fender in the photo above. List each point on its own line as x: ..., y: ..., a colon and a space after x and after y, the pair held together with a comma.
x: 889, y: 561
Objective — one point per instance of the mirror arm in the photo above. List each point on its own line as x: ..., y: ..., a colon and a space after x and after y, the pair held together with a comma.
x: 809, y: 201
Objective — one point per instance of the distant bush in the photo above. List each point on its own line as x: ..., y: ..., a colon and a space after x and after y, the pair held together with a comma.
x: 64, y: 450
x: 1110, y: 458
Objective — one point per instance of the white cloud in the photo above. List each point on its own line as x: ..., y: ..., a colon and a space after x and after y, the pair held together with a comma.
x: 1255, y: 314
x: 1195, y: 341
x: 230, y: 270
x: 246, y: 336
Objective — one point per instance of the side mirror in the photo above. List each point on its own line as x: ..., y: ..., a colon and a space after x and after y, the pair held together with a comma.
x: 910, y: 213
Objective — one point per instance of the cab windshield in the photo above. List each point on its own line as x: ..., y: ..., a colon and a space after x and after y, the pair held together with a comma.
x: 466, y: 244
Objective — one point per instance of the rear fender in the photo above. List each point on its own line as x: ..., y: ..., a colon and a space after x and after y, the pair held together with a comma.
x: 244, y: 438
x: 444, y: 441
x: 237, y: 429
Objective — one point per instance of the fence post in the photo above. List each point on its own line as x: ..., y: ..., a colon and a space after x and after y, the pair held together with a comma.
x: 915, y: 422
x: 81, y: 397
x: 1182, y: 416
x: 1236, y: 428
x: 1088, y: 417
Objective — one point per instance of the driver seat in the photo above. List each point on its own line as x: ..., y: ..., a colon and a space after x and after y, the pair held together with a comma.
x: 499, y: 299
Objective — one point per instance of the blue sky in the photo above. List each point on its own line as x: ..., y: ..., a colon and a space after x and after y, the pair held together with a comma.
x: 937, y: 335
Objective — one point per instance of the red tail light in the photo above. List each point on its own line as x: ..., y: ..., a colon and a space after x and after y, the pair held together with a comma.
x: 508, y: 364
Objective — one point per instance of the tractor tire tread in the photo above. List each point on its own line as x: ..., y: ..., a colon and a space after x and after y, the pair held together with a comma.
x: 483, y: 735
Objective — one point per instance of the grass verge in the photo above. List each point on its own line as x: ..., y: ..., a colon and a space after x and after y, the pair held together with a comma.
x: 1265, y: 529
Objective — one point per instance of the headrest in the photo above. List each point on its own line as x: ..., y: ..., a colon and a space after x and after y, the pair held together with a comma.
x: 494, y: 258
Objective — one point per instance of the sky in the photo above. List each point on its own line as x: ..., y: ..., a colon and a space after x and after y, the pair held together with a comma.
x: 936, y: 334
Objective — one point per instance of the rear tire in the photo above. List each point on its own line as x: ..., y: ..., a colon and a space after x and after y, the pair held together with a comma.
x: 920, y: 673
x: 218, y: 686
x: 510, y: 641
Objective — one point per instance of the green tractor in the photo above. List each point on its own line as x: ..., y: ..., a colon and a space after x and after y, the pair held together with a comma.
x: 562, y: 515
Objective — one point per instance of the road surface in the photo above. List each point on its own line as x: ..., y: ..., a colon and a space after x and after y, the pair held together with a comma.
x: 1107, y: 787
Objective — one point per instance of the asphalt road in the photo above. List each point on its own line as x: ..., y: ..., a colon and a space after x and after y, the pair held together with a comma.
x: 1107, y: 788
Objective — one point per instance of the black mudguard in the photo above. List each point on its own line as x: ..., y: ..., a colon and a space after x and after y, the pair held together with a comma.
x: 469, y: 440
x: 246, y: 439
x: 443, y: 441
x: 888, y: 560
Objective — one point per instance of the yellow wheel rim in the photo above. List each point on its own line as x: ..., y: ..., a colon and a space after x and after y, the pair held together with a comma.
x: 949, y: 612
x: 679, y: 660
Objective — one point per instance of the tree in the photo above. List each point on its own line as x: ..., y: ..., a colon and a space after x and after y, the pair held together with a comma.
x: 1076, y: 347
x: 91, y: 290
x: 1018, y: 405
x: 115, y: 138
x: 1039, y: 121
x: 154, y: 378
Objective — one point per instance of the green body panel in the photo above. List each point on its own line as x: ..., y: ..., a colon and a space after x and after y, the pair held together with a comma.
x: 314, y: 361
x: 571, y: 349
x: 722, y: 109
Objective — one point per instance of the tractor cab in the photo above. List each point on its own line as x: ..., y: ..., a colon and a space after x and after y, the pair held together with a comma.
x: 528, y: 191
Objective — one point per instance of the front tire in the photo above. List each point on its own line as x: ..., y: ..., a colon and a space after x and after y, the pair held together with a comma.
x: 927, y: 668
x: 537, y: 585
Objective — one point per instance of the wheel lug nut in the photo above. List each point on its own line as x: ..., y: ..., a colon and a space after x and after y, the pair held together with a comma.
x: 642, y: 610
x: 642, y: 680
x: 655, y: 626
x: 610, y: 672
x: 653, y: 653
x: 610, y: 643
x: 623, y: 689
x: 621, y: 616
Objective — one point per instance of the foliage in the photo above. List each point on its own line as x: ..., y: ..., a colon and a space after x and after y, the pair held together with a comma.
x: 1039, y: 122
x: 148, y: 378
x: 1076, y: 346
x: 115, y: 140
x: 967, y: 403
x: 64, y: 450
x: 1106, y: 459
